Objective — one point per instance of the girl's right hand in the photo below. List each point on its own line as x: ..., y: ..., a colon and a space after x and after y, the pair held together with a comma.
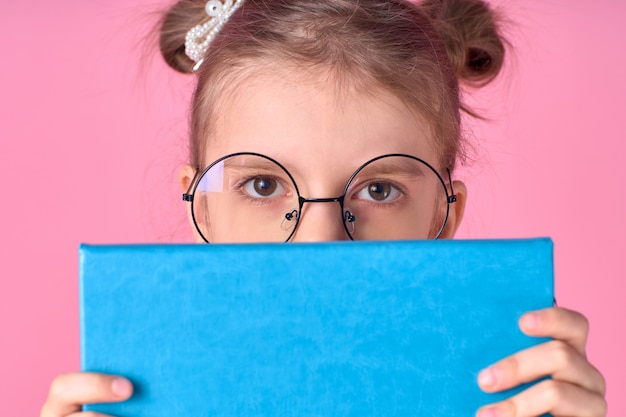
x: 69, y: 392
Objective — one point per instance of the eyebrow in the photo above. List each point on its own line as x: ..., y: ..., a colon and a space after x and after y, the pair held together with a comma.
x: 258, y: 164
x: 398, y: 166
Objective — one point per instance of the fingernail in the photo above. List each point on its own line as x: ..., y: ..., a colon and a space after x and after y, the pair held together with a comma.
x: 530, y: 321
x: 487, y: 378
x: 121, y: 387
x: 488, y: 412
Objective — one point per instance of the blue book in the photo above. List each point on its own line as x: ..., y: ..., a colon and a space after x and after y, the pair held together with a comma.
x: 321, y: 329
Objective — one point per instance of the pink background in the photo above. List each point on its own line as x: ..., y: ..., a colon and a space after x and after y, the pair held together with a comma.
x: 90, y: 145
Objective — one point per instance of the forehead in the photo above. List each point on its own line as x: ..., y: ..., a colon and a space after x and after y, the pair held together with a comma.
x: 314, y: 119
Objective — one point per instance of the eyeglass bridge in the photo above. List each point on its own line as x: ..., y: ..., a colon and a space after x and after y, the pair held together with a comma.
x: 348, y: 217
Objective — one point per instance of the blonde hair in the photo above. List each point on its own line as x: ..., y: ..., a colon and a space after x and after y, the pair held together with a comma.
x: 418, y: 52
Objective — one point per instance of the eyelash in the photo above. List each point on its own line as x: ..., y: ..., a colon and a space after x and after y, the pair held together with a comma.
x: 392, y: 204
x: 239, y: 189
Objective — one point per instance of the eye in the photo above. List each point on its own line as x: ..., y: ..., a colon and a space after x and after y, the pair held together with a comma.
x: 378, y: 191
x: 263, y: 187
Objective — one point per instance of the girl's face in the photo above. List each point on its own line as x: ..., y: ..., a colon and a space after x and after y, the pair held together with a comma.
x: 321, y: 135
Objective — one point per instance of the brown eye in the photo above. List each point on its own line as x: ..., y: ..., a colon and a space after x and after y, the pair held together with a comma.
x: 265, y: 187
x: 379, y: 191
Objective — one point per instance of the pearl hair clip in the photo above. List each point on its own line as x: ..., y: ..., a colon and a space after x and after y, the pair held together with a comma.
x: 199, y: 37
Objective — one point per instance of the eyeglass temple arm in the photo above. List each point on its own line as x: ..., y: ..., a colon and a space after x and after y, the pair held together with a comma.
x: 452, y: 198
x: 188, y: 196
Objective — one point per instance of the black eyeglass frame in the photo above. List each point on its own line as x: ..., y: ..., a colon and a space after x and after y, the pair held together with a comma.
x: 346, y: 215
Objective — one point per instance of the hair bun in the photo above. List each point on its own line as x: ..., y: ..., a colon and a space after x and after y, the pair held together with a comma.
x: 175, y: 24
x: 470, y: 32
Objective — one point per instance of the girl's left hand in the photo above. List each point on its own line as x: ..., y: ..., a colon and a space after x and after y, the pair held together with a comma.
x: 576, y: 388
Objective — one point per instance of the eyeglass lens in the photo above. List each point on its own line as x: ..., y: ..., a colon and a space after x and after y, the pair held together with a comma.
x: 252, y: 198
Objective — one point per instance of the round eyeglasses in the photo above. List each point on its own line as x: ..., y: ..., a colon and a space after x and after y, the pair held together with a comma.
x: 250, y: 197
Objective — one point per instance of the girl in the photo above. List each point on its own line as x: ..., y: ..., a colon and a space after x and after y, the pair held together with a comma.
x: 340, y: 119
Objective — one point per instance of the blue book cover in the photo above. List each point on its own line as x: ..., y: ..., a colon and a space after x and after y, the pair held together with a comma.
x: 320, y: 329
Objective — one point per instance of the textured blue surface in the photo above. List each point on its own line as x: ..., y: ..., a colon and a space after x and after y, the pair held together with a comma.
x: 323, y: 329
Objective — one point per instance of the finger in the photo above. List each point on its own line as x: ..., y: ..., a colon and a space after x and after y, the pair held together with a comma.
x: 555, y: 358
x: 69, y: 391
x: 557, y: 323
x: 88, y: 414
x: 549, y: 396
